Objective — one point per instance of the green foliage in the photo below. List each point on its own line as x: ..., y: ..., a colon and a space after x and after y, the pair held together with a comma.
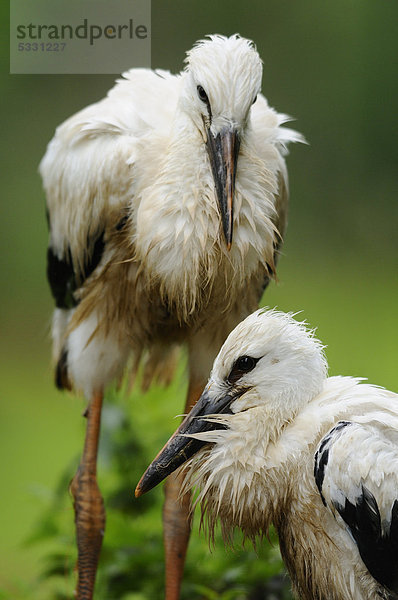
x: 132, y: 562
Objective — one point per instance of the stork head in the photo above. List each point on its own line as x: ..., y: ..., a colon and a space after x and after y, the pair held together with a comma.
x: 268, y: 369
x: 221, y: 82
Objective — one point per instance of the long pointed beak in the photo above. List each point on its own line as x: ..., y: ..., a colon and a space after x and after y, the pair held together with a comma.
x: 180, y: 448
x: 223, y: 150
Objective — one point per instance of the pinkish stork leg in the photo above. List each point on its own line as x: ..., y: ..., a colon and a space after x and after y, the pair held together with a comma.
x: 176, y: 517
x: 88, y: 505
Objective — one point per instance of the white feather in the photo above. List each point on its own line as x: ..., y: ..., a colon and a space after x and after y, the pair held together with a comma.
x: 260, y: 468
x: 141, y: 152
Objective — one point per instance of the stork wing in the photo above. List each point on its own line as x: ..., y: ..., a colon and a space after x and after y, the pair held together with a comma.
x: 356, y: 472
x: 88, y: 173
x: 272, y: 141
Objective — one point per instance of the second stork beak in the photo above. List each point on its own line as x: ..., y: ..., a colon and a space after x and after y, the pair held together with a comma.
x: 180, y: 447
x: 223, y: 150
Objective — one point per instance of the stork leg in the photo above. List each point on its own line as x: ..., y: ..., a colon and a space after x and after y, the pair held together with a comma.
x: 176, y: 516
x: 88, y: 504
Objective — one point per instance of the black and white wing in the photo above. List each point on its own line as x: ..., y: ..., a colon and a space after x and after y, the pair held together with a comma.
x: 356, y: 472
x: 88, y: 173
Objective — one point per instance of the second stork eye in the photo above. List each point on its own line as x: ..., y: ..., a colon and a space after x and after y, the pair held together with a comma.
x: 202, y: 94
x: 244, y: 364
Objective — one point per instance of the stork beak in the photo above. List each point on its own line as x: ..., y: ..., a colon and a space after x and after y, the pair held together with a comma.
x: 180, y: 447
x: 223, y: 150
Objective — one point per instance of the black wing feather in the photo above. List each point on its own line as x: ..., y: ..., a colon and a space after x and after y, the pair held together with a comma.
x: 64, y: 279
x: 378, y: 548
x: 322, y: 456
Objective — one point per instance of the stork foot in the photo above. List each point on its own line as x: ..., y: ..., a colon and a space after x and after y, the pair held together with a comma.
x: 89, y: 506
x: 177, y: 529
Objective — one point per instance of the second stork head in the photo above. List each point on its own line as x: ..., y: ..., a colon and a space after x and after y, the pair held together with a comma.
x: 222, y: 80
x: 268, y: 369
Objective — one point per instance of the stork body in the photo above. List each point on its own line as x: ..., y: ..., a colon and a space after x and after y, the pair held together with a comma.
x: 274, y: 441
x: 144, y: 191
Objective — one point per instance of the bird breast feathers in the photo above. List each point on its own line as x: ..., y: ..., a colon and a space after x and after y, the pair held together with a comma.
x: 178, y: 228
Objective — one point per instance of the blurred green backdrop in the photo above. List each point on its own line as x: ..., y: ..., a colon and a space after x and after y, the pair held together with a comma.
x: 330, y: 64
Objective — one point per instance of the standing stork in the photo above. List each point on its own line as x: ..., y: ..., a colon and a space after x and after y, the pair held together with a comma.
x: 273, y: 440
x: 166, y: 203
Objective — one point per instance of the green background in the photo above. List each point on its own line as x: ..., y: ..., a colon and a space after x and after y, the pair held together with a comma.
x: 330, y: 64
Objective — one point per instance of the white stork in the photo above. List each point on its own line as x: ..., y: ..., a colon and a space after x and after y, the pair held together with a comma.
x: 166, y: 203
x: 274, y: 440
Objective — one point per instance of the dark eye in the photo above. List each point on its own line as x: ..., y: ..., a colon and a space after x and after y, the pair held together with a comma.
x: 202, y: 94
x: 244, y: 364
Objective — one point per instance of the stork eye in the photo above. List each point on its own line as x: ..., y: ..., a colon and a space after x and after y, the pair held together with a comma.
x: 244, y: 364
x: 202, y: 94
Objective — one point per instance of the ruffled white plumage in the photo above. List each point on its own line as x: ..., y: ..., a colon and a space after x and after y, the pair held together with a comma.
x: 140, y: 153
x: 294, y: 455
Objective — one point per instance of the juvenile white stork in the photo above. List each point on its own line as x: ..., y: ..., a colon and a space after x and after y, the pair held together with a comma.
x: 166, y: 202
x: 274, y: 440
